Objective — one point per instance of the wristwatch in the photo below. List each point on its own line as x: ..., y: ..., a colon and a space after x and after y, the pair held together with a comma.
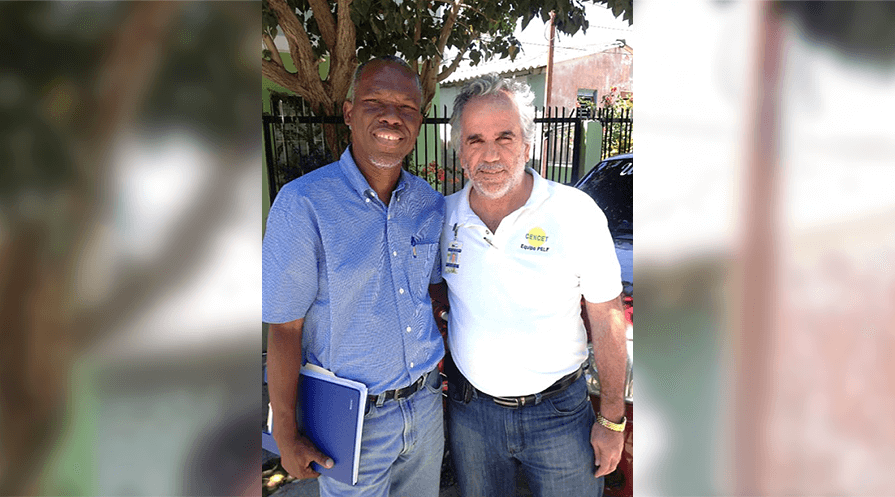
x: 609, y: 425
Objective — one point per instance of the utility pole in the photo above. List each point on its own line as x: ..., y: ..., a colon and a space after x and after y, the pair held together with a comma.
x: 759, y: 263
x: 549, y: 88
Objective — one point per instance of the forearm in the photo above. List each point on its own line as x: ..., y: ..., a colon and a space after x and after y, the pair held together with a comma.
x: 283, y: 367
x: 607, y: 324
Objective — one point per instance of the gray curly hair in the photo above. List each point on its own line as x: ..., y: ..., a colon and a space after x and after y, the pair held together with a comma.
x: 492, y: 84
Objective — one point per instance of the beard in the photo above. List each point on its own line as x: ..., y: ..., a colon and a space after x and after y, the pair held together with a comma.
x: 385, y: 162
x: 495, y: 188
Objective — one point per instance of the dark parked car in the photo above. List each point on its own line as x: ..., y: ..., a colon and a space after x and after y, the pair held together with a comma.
x: 611, y: 184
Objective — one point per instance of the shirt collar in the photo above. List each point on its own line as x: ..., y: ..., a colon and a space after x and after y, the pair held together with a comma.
x: 539, y: 190
x: 359, y: 183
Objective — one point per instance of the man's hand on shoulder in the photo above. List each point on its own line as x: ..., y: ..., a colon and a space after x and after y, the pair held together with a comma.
x: 296, y: 457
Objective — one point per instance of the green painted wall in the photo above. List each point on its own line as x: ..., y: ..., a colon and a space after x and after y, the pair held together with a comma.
x: 538, y: 83
x: 593, y: 137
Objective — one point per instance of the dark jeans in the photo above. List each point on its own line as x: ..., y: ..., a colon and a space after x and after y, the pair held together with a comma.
x: 549, y: 442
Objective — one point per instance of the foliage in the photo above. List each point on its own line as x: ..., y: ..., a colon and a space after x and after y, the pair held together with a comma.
x: 586, y: 107
x: 616, y: 105
x: 441, y: 179
x: 344, y: 32
x: 620, y: 8
x: 617, y: 100
x: 422, y: 31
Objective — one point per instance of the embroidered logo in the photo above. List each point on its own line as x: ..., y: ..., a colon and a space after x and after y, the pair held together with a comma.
x: 535, y: 240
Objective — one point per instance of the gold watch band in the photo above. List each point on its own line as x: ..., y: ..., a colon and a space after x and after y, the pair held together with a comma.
x: 609, y: 425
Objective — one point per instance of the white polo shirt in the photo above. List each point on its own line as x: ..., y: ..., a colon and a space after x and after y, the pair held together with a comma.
x: 515, y: 321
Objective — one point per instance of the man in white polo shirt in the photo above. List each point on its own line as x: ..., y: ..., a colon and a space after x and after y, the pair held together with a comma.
x: 518, y: 253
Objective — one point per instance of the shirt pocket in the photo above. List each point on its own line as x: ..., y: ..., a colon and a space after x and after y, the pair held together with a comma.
x: 422, y: 264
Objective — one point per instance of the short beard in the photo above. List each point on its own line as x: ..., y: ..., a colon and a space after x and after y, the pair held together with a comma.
x: 384, y: 164
x: 494, y: 194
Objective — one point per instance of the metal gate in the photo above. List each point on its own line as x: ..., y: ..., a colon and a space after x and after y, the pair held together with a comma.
x: 293, y: 145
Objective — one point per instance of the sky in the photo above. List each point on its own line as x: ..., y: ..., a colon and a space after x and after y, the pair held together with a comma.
x: 604, y: 29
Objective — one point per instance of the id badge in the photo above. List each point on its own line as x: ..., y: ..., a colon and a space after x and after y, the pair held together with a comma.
x: 452, y: 261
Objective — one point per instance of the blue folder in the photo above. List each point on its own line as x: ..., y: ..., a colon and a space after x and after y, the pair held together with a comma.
x: 330, y: 412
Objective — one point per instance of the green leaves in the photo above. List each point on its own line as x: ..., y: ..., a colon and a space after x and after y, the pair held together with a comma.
x: 482, y: 30
x: 620, y: 8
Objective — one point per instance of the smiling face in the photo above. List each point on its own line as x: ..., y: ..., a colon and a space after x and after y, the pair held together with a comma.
x: 385, y: 115
x: 492, y: 150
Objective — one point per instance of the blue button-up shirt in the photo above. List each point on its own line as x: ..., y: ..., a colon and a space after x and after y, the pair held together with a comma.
x: 358, y: 272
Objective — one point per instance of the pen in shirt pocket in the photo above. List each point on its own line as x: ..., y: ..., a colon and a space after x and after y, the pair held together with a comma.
x: 413, y: 244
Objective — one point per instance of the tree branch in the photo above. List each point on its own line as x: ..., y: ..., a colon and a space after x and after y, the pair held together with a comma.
x: 272, y: 46
x: 448, y: 26
x: 279, y: 75
x: 325, y: 21
x: 427, y: 77
x: 453, y: 67
x: 344, y: 57
x: 419, y: 24
x: 470, y: 7
x: 301, y: 51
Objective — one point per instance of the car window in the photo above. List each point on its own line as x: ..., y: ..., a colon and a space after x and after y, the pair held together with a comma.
x: 611, y: 185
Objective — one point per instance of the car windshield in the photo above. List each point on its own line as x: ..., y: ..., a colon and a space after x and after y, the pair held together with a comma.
x: 611, y: 185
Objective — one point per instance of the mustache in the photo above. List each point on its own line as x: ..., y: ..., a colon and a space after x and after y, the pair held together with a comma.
x: 488, y: 167
x: 388, y: 127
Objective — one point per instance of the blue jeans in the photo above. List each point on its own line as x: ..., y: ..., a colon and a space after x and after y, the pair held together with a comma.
x: 401, y: 448
x: 548, y: 442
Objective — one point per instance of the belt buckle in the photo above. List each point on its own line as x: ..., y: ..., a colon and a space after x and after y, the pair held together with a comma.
x: 410, y: 389
x: 508, y: 402
x: 399, y: 394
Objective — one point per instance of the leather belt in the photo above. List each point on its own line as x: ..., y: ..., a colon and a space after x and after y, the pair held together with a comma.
x: 466, y: 389
x: 530, y: 400
x: 401, y: 393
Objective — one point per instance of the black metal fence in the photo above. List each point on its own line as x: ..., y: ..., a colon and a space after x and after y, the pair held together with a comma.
x: 294, y: 144
x: 618, y: 127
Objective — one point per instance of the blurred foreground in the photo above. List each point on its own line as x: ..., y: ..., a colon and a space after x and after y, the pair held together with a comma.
x: 129, y: 248
x: 766, y: 231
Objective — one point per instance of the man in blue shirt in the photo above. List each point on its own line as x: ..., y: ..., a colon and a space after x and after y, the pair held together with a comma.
x: 348, y: 256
